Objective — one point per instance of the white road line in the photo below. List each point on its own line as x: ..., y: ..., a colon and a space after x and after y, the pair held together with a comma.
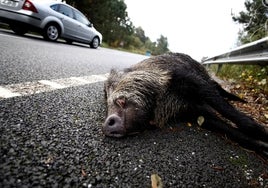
x: 30, y: 88
x: 52, y: 84
x: 100, y: 77
x: 6, y: 93
x: 79, y: 79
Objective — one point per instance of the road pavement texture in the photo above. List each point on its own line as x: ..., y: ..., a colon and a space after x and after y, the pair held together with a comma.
x: 61, y: 145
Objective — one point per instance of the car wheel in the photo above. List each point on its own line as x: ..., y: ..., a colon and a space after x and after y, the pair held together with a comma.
x: 51, y: 32
x: 95, y: 43
x: 18, y: 29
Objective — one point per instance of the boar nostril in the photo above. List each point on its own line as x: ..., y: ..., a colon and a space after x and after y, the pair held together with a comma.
x: 113, y: 126
x: 111, y: 122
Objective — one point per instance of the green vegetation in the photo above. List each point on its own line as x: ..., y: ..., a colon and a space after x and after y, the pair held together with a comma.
x: 111, y: 19
x: 254, y: 77
x: 255, y: 23
x: 239, y: 161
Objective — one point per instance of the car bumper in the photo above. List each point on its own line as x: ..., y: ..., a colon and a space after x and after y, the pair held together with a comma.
x: 21, y: 16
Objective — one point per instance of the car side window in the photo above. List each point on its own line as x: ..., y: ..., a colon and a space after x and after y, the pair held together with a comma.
x: 67, y: 11
x: 54, y: 7
x: 81, y: 18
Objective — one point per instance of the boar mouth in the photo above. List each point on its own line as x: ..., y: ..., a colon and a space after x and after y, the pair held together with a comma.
x: 115, y: 134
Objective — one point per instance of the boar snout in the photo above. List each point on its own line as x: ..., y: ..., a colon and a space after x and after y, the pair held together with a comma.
x: 113, y: 126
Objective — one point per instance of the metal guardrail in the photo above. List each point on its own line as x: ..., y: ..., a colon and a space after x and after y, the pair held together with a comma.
x: 252, y: 53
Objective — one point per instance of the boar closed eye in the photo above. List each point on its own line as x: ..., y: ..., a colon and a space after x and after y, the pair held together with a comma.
x: 121, y: 102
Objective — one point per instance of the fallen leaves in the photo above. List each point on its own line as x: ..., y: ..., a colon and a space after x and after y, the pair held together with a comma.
x: 189, y: 124
x: 48, y: 161
x: 156, y: 181
x: 257, y: 101
x: 83, y: 172
x: 200, y: 120
x: 218, y: 168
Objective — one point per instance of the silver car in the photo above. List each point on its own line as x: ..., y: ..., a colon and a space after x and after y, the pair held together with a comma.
x: 50, y: 18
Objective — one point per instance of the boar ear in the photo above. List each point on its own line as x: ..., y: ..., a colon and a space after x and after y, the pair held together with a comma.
x: 121, y: 101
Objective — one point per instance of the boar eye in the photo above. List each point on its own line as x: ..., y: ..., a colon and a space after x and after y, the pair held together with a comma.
x: 121, y: 102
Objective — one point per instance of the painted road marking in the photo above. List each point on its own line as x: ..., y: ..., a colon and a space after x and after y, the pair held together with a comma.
x: 30, y: 88
x: 5, y: 93
x: 51, y: 84
x: 81, y: 80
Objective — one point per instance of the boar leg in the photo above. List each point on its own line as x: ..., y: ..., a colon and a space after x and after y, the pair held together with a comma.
x: 245, y: 123
x: 214, y: 123
x: 194, y: 88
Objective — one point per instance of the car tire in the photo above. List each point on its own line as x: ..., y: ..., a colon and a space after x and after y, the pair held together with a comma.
x: 95, y: 43
x: 18, y: 29
x: 51, y: 32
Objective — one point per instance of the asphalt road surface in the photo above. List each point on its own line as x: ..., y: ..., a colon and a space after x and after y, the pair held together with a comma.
x: 51, y: 111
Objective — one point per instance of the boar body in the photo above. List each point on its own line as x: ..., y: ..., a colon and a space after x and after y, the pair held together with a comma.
x: 172, y: 88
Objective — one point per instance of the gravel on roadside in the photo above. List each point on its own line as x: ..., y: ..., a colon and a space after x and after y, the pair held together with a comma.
x: 54, y: 140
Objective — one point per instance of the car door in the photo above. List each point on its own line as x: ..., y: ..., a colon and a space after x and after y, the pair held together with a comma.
x: 84, y: 28
x: 67, y: 18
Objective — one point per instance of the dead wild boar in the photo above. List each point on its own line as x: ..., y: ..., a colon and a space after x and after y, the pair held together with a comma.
x: 172, y: 88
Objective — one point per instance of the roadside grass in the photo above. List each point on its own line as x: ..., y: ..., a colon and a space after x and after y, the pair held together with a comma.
x: 239, y: 161
x: 131, y: 49
x: 254, y: 77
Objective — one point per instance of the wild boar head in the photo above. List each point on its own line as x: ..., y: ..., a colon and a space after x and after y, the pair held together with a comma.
x: 131, y: 99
